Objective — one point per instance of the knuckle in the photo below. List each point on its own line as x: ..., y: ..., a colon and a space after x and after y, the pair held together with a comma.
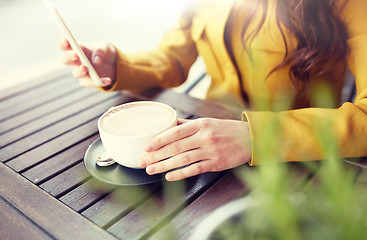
x: 158, y: 143
x: 83, y: 48
x: 151, y: 158
x: 177, y: 133
x: 175, y: 148
x: 204, y: 123
x: 197, y: 169
x: 185, y: 159
x: 72, y: 56
x: 79, y: 74
x: 210, y: 137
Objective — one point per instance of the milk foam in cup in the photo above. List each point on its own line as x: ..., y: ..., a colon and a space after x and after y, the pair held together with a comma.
x: 125, y: 129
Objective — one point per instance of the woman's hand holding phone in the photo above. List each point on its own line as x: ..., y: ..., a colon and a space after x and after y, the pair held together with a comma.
x: 102, y: 57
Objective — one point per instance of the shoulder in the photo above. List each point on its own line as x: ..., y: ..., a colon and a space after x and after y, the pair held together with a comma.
x: 354, y: 15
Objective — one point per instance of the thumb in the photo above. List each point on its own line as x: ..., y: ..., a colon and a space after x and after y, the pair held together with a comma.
x: 98, y: 56
x: 106, y: 81
x: 182, y: 121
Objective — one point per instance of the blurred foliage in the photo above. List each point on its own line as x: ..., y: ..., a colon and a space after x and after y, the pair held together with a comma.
x: 333, y: 206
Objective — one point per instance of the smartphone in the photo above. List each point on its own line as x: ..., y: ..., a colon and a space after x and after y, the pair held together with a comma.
x: 65, y: 30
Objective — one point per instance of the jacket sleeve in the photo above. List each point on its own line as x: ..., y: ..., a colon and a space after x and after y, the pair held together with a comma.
x: 166, y: 66
x: 297, y: 131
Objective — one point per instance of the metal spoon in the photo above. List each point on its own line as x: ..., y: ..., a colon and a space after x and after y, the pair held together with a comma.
x: 104, y: 160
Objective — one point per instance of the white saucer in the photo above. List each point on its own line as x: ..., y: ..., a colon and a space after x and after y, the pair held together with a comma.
x: 115, y: 174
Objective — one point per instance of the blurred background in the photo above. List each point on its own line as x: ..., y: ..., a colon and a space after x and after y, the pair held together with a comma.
x: 29, y: 35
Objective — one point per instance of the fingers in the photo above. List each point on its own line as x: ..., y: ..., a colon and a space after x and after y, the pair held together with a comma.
x: 168, y: 151
x: 189, y: 171
x: 171, y: 135
x: 182, y: 121
x: 88, y: 82
x: 81, y: 73
x: 106, y: 81
x: 180, y: 160
x: 64, y: 44
x: 98, y: 55
x: 70, y: 57
x: 214, y: 145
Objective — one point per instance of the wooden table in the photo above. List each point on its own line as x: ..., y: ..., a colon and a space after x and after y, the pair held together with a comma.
x: 47, y: 124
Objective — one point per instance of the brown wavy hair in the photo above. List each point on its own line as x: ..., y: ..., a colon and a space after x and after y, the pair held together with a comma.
x: 320, y: 33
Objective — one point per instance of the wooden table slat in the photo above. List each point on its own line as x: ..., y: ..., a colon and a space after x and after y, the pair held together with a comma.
x: 182, y: 225
x: 360, y: 162
x: 119, y: 203
x: 42, y: 110
x: 158, y: 208
x: 185, y: 222
x: 87, y: 194
x: 34, y: 83
x: 22, y: 227
x: 36, y: 97
x: 45, y: 151
x: 53, y: 118
x: 59, y: 163
x: 43, y: 210
x: 362, y: 178
x: 299, y: 175
x: 25, y: 144
x: 66, y: 181
x: 354, y: 170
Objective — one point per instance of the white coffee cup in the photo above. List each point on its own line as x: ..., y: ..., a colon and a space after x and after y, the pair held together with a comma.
x: 125, y: 129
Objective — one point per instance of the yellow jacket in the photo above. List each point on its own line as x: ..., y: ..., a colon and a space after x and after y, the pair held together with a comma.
x: 297, y: 140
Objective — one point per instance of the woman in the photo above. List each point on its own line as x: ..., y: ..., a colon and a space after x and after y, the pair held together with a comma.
x: 259, y: 54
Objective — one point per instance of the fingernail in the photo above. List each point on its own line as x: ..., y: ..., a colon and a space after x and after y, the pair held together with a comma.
x: 169, y: 177
x: 106, y: 82
x: 97, y: 60
x: 150, y: 169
